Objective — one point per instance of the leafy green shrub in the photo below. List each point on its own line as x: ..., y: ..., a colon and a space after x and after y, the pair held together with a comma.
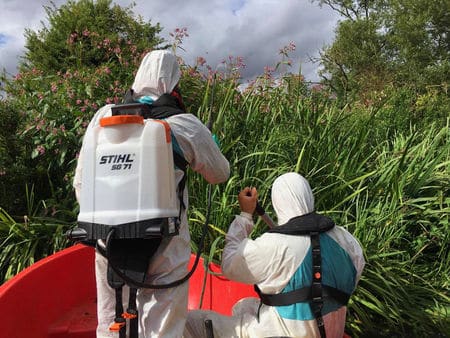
x: 13, y: 163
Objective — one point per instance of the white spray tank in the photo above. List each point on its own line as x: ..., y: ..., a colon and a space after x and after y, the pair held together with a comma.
x: 128, y: 179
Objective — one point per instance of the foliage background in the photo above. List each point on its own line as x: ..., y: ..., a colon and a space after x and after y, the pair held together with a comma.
x: 372, y: 141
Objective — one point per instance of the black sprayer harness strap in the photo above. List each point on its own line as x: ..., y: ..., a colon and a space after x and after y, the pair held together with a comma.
x: 311, y: 225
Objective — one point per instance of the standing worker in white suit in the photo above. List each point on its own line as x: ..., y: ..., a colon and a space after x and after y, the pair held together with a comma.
x: 279, y: 262
x: 162, y: 312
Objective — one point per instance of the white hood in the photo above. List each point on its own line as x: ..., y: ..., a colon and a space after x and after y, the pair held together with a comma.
x: 158, y: 74
x: 291, y: 196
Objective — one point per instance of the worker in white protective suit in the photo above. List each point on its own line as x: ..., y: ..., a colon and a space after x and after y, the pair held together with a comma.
x: 276, y: 262
x: 162, y: 312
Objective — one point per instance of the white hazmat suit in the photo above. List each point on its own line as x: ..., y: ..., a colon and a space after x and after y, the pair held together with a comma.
x: 279, y: 262
x: 162, y: 312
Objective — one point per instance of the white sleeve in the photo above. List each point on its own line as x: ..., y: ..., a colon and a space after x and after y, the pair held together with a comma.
x: 234, y: 265
x: 77, y: 177
x: 269, y: 261
x: 199, y: 148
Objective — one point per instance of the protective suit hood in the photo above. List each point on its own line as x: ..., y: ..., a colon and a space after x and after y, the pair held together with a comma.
x: 291, y: 196
x: 158, y: 73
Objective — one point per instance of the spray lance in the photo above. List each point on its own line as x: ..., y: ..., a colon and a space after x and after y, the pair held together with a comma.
x: 262, y: 213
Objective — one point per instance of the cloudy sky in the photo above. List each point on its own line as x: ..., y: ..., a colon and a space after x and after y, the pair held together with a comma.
x: 253, y: 29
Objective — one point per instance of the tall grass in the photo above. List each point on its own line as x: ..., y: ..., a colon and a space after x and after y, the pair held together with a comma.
x: 26, y: 240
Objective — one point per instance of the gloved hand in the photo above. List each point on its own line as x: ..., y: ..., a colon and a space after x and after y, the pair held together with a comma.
x: 247, y: 199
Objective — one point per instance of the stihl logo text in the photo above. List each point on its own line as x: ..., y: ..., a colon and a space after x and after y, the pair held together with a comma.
x: 118, y: 162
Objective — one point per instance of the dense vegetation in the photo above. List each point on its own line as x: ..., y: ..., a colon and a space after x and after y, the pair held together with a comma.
x: 378, y: 158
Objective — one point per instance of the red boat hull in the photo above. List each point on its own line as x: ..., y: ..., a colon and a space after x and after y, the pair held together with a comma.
x: 56, y: 297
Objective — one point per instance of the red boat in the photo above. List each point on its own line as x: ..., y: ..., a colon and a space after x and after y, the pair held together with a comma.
x: 56, y: 297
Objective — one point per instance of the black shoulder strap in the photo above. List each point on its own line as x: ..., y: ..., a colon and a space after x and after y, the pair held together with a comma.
x: 304, y: 225
x: 128, y: 98
x: 314, y: 293
x: 165, y: 106
x: 181, y: 163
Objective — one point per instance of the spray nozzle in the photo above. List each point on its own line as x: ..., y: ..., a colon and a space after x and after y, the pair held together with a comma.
x: 262, y: 213
x: 259, y: 209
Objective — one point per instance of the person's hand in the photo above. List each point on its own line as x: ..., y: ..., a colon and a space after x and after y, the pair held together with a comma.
x: 247, y: 199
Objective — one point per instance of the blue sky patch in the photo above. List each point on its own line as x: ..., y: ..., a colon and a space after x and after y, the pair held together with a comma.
x: 3, y: 39
x: 237, y: 5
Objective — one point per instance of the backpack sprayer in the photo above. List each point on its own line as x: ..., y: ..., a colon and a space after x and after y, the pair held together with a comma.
x: 128, y: 179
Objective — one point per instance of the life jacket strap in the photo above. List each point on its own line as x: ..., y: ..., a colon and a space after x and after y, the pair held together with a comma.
x: 302, y: 295
x: 316, y: 288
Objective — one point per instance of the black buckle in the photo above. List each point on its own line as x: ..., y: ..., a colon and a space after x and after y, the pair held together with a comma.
x: 320, y: 322
x: 316, y: 290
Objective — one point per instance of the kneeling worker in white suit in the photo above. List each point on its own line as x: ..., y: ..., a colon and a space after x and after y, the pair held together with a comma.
x: 279, y: 263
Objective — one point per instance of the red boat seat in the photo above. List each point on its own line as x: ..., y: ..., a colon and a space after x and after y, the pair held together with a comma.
x: 50, y: 300
x: 33, y: 301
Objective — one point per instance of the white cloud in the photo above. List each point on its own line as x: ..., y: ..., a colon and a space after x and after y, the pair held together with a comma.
x: 252, y: 29
x: 15, y: 17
